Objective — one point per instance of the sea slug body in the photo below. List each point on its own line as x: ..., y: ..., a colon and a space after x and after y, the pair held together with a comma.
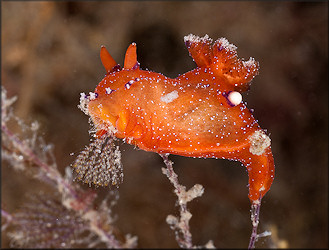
x: 200, y: 113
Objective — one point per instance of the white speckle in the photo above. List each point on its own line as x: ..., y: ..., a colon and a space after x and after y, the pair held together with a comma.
x: 169, y: 97
x: 250, y: 63
x: 225, y: 44
x: 109, y: 90
x: 92, y: 96
x: 84, y: 100
x: 83, y: 96
x: 196, y: 39
x: 235, y: 98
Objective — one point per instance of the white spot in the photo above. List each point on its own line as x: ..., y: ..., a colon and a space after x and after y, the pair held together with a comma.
x: 235, y: 98
x: 84, y: 100
x: 92, y: 96
x: 196, y: 39
x: 109, y: 90
x: 169, y: 97
x: 82, y: 96
x: 259, y: 141
x: 225, y: 44
x: 250, y: 63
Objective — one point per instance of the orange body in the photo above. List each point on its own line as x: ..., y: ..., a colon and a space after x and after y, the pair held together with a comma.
x: 191, y: 115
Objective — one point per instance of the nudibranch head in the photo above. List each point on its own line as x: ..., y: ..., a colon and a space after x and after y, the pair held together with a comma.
x: 106, y: 104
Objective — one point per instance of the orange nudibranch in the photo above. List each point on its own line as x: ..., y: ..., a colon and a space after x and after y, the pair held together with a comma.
x: 200, y: 113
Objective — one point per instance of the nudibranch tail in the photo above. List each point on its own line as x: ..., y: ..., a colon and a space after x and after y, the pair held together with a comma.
x: 131, y: 57
x: 259, y: 162
x: 260, y: 173
x: 107, y: 60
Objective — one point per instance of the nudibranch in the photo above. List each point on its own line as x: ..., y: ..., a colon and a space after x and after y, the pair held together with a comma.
x: 198, y: 114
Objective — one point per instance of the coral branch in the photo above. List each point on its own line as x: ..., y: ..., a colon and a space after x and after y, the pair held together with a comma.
x: 69, y: 214
x: 8, y: 219
x: 255, y: 209
x: 50, y: 172
x: 181, y: 225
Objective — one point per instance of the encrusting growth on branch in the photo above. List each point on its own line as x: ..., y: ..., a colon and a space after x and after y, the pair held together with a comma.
x: 181, y: 224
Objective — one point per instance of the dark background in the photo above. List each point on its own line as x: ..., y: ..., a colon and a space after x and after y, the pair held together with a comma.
x: 50, y: 53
